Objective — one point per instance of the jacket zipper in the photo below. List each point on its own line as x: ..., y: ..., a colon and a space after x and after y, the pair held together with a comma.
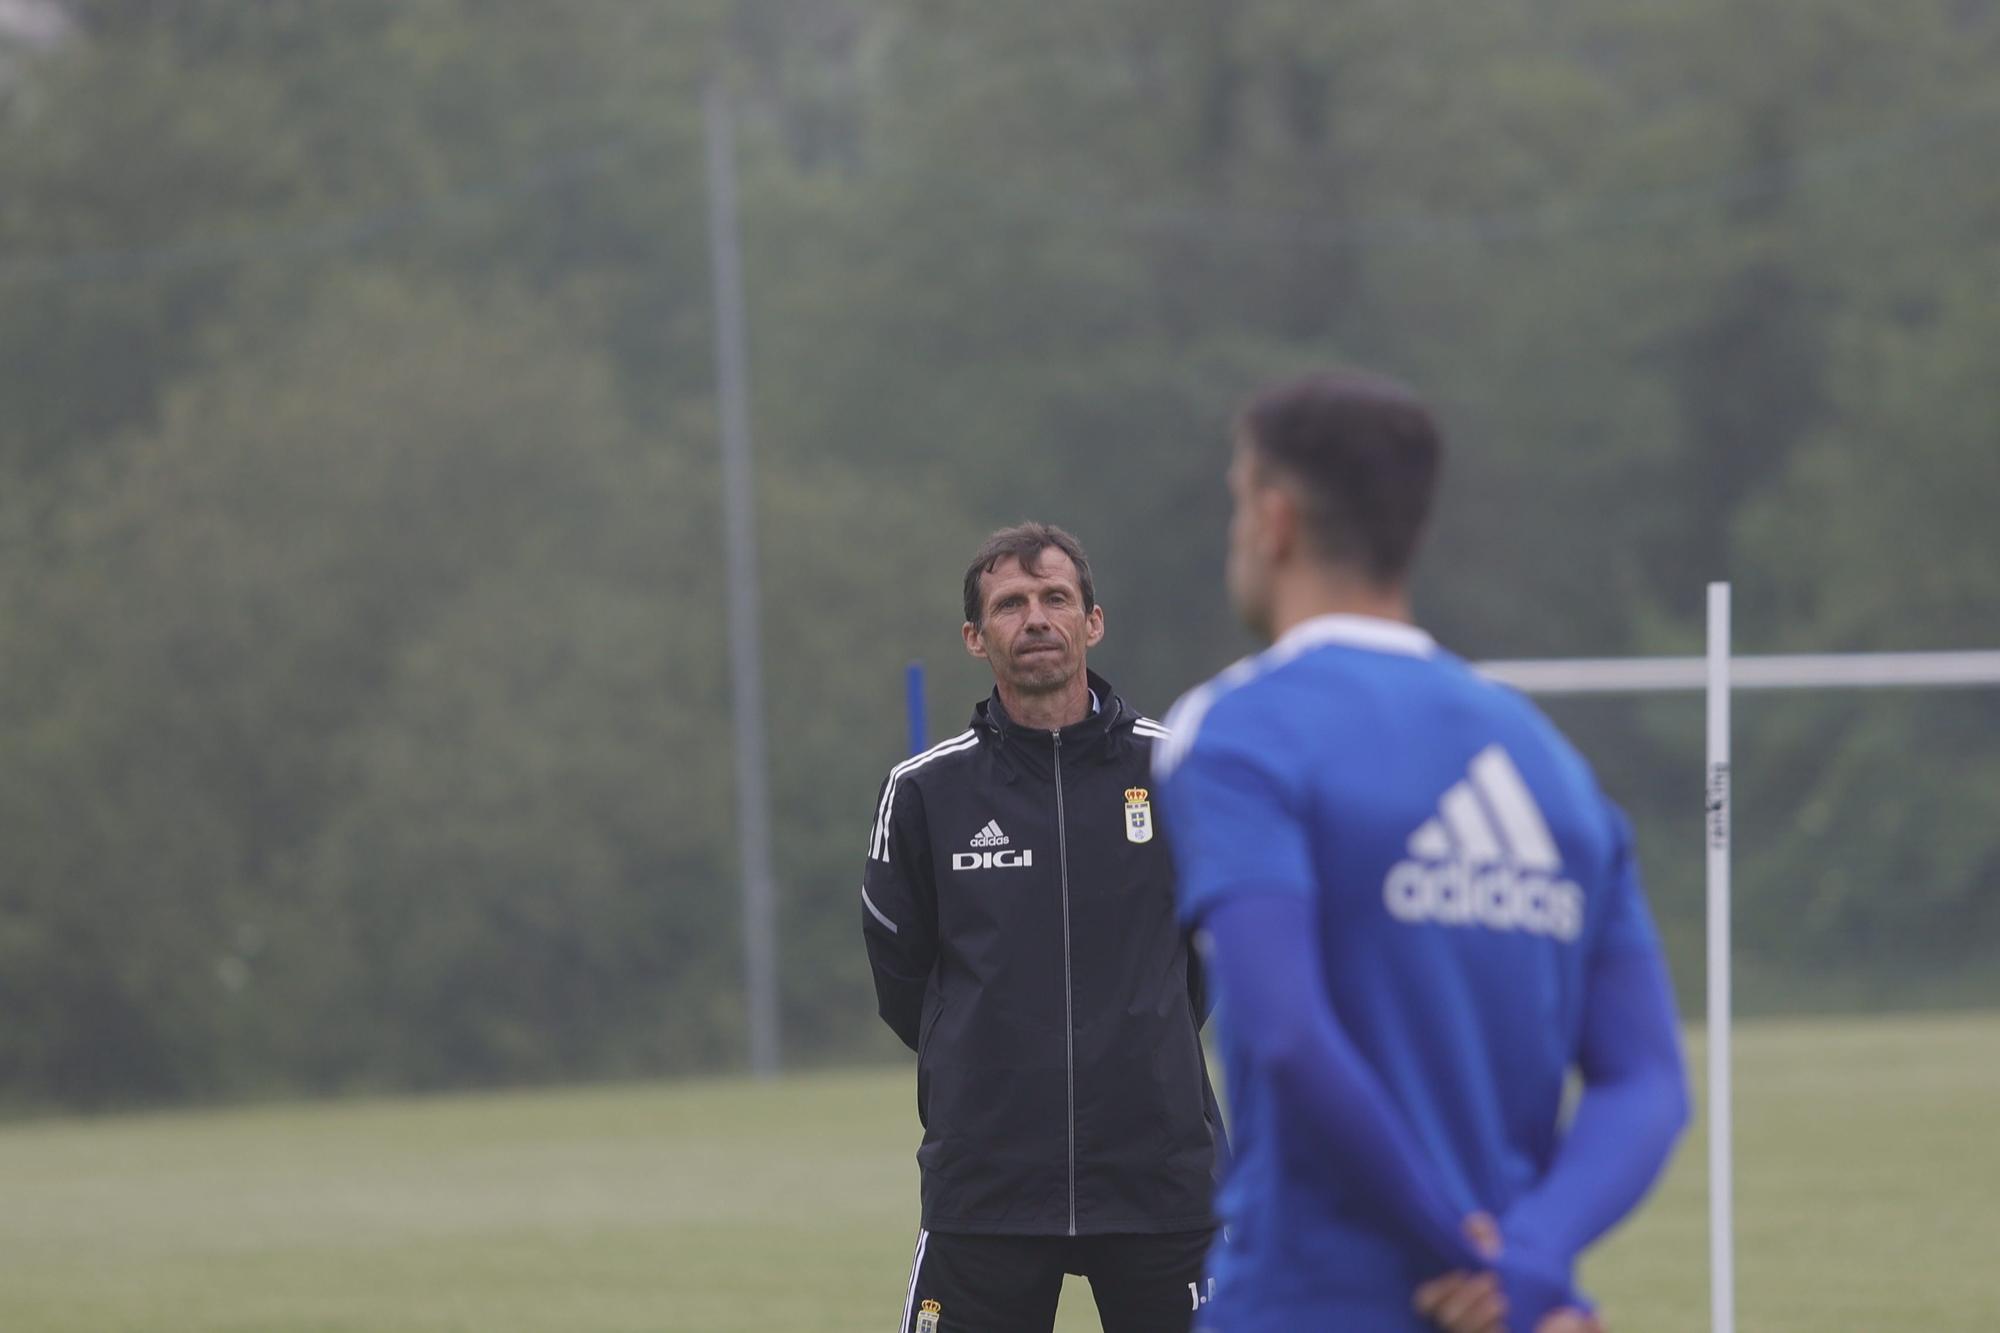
x: 1069, y: 991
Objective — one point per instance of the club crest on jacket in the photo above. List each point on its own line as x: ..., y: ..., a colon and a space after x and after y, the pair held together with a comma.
x: 1138, y: 815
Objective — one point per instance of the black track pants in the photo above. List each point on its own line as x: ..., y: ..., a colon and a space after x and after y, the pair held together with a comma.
x: 1010, y: 1284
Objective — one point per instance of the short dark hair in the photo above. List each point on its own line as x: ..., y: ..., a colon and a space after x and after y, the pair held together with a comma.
x: 1025, y: 542
x: 1365, y: 454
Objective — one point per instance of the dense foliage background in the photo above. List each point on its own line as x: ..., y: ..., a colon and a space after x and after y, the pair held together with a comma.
x: 363, y: 712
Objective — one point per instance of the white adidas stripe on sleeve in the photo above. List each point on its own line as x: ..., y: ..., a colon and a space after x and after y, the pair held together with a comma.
x: 878, y: 843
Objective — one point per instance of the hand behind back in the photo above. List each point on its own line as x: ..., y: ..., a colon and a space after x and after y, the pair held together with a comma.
x: 1467, y: 1301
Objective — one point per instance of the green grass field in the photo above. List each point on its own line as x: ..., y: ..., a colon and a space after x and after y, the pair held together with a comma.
x: 1868, y: 1195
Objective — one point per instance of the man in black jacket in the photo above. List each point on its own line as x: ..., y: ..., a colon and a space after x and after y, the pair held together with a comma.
x: 1019, y: 916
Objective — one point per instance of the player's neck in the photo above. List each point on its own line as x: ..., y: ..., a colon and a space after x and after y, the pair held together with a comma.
x: 1309, y: 594
x: 1049, y: 711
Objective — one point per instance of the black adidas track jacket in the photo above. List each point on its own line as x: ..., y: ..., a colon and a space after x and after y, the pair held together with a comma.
x: 1018, y: 910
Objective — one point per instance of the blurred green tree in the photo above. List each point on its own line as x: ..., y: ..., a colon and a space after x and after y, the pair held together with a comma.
x: 363, y: 711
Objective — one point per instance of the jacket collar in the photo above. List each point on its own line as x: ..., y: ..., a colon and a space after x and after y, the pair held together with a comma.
x: 990, y: 716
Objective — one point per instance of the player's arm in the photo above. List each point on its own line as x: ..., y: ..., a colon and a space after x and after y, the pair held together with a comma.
x: 1634, y: 1101
x: 1264, y: 954
x: 899, y: 909
x: 1246, y: 878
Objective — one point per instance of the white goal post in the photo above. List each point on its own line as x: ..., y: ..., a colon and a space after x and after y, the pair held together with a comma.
x: 1718, y: 674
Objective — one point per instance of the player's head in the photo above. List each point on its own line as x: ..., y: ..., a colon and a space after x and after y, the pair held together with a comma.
x: 1031, y: 611
x: 1332, y: 477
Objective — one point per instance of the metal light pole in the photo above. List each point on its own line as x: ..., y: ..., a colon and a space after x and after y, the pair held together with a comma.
x: 746, y: 662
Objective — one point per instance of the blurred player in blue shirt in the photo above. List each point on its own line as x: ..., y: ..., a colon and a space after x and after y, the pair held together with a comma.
x: 1422, y: 916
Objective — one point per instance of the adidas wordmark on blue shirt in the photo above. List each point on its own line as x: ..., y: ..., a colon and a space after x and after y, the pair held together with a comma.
x: 1465, y: 870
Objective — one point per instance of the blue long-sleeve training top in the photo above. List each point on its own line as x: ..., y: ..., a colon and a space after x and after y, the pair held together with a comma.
x: 1423, y: 915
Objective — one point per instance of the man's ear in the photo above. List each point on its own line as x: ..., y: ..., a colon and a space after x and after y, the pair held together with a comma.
x: 1281, y: 523
x: 1093, y: 626
x: 973, y: 643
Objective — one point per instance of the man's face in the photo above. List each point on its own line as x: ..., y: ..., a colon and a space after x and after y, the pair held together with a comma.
x: 1251, y: 548
x: 1034, y: 630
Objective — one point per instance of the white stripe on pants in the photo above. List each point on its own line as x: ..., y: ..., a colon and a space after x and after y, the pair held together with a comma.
x: 916, y: 1266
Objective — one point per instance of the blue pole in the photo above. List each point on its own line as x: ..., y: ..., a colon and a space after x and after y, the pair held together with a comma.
x: 913, y: 697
